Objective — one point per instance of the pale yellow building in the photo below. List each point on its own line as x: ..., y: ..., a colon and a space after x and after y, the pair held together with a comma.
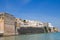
x: 7, y: 24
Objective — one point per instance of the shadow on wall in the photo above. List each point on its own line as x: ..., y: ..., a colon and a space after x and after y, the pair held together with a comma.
x: 30, y: 30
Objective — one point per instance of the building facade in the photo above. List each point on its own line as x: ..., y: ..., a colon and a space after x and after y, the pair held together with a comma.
x: 28, y: 23
x: 7, y: 24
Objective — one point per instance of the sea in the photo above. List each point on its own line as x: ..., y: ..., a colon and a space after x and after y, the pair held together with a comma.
x: 43, y: 36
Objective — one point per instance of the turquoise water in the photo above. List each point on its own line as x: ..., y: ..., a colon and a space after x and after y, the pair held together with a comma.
x: 45, y: 36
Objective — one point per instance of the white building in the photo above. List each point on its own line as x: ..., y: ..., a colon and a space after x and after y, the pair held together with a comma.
x: 50, y: 25
x: 35, y: 23
x: 47, y: 24
x: 28, y: 23
x: 31, y: 23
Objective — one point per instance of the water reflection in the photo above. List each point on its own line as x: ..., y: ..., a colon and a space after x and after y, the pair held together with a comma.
x: 49, y: 36
x: 7, y: 38
x: 37, y: 37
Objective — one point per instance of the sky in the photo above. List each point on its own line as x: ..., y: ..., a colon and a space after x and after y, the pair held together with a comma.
x: 40, y: 10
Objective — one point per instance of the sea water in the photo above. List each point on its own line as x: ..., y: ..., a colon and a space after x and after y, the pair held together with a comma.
x: 44, y: 36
